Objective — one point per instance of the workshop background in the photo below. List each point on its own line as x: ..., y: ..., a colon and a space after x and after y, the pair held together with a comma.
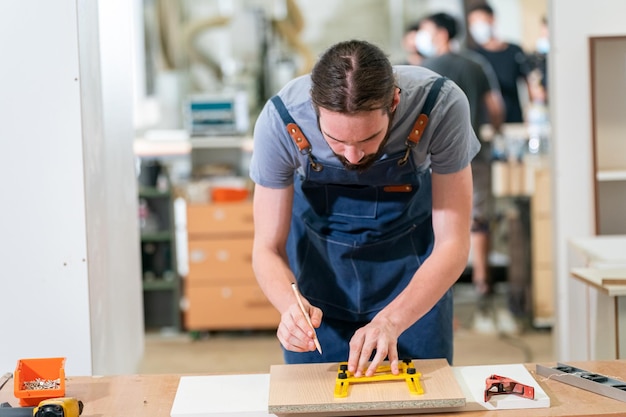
x: 126, y: 217
x: 208, y: 51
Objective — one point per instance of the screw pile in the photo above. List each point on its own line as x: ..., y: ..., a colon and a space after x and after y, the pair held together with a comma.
x: 41, y: 384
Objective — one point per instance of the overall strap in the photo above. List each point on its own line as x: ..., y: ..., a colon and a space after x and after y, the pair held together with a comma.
x: 294, y: 131
x: 422, y: 120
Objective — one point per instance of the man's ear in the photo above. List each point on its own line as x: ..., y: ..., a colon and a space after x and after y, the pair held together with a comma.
x: 396, y: 100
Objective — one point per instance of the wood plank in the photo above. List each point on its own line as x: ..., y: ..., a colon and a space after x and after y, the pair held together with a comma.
x: 153, y: 395
x: 609, y: 280
x: 308, y: 390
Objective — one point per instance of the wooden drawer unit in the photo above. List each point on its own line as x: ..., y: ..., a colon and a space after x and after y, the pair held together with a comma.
x: 221, y: 292
x: 542, y: 197
x: 221, y: 307
x: 220, y: 218
x: 542, y: 241
x: 221, y: 260
x: 541, y: 248
x: 542, y: 297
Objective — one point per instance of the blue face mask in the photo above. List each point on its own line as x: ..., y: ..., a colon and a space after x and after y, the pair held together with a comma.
x: 424, y: 43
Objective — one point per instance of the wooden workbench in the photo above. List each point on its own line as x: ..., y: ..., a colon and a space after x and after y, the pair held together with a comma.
x: 153, y: 395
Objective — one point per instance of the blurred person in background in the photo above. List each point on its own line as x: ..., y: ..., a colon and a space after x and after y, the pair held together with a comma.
x: 474, y: 75
x: 413, y: 56
x: 508, y: 60
x: 539, y: 63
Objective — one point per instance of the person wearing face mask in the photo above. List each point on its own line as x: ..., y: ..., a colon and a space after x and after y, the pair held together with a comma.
x: 413, y: 56
x: 507, y: 59
x: 539, y: 62
x: 363, y: 197
x: 477, y: 79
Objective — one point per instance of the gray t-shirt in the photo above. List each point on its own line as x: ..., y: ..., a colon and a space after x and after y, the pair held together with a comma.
x: 469, y: 74
x: 447, y: 145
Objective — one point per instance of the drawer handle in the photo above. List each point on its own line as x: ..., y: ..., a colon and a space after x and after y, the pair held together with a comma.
x: 219, y: 214
x: 197, y: 256
x: 222, y: 255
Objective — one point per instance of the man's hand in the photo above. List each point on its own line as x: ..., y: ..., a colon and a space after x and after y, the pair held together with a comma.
x: 294, y: 331
x: 380, y: 334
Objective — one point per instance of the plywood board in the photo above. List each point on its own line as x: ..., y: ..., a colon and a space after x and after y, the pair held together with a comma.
x: 614, y: 276
x: 610, y: 280
x: 308, y: 390
x: 472, y: 380
x: 613, y: 281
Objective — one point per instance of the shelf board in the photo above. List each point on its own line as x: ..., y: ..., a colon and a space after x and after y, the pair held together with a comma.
x: 151, y: 192
x: 156, y: 236
x: 178, y: 142
x: 159, y: 284
x: 156, y: 148
x: 221, y: 142
x: 611, y: 175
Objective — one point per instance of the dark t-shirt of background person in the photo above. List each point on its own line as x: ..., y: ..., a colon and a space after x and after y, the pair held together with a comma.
x: 510, y: 65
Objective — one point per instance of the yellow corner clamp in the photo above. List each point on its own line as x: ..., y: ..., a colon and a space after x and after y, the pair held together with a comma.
x: 383, y: 373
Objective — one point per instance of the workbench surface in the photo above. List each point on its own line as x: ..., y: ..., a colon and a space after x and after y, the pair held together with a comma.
x: 153, y: 395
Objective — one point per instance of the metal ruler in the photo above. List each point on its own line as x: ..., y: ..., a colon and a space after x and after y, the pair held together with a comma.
x: 590, y: 381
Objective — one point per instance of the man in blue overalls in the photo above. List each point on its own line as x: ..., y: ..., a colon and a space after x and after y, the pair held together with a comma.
x: 363, y: 198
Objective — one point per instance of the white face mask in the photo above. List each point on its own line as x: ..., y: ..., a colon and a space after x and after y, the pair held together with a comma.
x: 543, y: 45
x: 424, y: 43
x: 481, y: 32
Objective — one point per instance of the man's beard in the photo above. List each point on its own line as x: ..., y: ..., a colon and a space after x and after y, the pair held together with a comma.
x: 368, y: 160
x: 363, y: 165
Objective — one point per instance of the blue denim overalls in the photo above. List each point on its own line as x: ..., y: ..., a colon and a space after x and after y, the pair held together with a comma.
x: 356, y: 240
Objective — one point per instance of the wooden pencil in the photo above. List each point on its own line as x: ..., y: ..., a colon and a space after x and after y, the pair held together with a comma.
x: 306, y: 315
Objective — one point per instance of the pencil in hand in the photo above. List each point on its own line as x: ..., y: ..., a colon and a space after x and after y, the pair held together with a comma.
x: 306, y: 315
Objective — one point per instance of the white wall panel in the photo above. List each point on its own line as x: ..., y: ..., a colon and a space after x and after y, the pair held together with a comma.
x: 571, y: 24
x: 69, y: 244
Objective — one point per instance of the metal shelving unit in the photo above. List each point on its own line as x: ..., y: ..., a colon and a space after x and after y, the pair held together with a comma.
x: 160, y: 279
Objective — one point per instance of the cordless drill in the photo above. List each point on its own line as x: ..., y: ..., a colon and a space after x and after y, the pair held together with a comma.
x: 53, y: 407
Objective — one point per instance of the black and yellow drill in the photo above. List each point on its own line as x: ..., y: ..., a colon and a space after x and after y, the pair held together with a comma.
x: 53, y: 407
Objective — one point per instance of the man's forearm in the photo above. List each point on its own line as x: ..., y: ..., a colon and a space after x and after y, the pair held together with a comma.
x: 430, y: 282
x: 274, y: 277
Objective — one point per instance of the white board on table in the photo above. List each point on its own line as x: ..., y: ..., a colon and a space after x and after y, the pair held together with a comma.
x: 472, y: 380
x: 222, y: 396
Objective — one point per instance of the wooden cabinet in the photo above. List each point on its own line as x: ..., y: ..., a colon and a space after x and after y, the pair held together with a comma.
x: 214, y: 241
x: 541, y: 250
x: 608, y: 93
x: 221, y: 292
